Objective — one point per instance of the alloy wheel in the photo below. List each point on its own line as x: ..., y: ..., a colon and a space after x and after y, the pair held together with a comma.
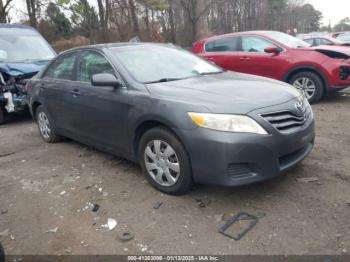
x: 44, y: 125
x: 162, y: 163
x: 306, y: 85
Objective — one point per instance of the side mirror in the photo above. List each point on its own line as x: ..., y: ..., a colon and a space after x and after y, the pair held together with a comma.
x: 105, y: 79
x: 272, y: 50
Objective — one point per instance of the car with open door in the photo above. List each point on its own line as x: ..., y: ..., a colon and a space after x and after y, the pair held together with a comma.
x: 182, y: 118
x: 315, y: 71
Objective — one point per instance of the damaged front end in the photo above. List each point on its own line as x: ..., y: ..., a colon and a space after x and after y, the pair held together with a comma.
x: 13, y: 79
x: 12, y: 92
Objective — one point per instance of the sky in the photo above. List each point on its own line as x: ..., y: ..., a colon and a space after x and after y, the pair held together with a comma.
x: 333, y: 10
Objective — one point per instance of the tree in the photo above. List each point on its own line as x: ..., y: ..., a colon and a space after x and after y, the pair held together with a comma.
x: 104, y: 11
x: 195, y: 10
x: 134, y: 17
x: 4, y: 8
x: 343, y: 25
x: 32, y: 8
x: 59, y: 21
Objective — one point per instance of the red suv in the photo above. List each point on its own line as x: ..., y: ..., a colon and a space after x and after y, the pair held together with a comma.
x: 316, y: 71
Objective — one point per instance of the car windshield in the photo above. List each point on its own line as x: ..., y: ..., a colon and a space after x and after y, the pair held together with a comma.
x: 287, y: 40
x: 151, y: 64
x: 23, y: 45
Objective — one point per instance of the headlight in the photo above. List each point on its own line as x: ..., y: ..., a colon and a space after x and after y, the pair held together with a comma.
x: 227, y: 123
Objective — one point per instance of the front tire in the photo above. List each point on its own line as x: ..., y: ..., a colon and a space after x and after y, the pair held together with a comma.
x: 165, y: 162
x: 2, y: 115
x: 45, y: 126
x: 310, y: 84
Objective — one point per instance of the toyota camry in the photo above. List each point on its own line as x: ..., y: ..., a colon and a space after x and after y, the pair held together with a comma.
x: 185, y: 120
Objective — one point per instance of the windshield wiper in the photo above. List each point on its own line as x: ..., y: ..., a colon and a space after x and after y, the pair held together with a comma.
x: 163, y: 80
x: 212, y: 73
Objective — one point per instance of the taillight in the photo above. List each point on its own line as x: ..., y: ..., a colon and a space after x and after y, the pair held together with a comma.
x: 27, y: 87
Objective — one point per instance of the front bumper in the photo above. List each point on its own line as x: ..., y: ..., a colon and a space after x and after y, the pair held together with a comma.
x: 234, y: 159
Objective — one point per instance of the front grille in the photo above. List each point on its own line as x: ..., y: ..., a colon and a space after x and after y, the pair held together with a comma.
x: 287, y: 121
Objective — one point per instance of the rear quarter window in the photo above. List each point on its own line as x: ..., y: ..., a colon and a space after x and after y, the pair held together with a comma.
x: 227, y: 44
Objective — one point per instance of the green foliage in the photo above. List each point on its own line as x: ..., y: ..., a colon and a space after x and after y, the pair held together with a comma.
x: 60, y: 22
x: 157, y: 5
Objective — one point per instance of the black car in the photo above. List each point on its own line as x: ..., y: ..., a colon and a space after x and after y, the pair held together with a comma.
x: 182, y: 118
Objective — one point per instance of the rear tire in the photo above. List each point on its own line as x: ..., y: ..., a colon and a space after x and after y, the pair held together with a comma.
x: 310, y: 84
x: 46, y: 129
x: 165, y: 162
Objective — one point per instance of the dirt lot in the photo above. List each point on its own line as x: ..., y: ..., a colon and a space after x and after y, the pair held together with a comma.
x: 53, y: 187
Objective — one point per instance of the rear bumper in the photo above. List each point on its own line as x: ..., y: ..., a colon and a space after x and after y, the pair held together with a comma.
x: 234, y: 159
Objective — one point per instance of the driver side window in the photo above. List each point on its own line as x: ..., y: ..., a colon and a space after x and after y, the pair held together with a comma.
x: 92, y: 63
x: 255, y: 44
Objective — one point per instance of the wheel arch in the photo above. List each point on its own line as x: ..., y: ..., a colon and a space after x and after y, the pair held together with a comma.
x: 146, y: 125
x: 307, y: 68
x: 34, y: 107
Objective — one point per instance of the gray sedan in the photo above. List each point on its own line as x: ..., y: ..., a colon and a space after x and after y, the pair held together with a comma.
x: 182, y: 118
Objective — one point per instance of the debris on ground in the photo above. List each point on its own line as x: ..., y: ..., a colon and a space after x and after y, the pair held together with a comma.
x: 125, y: 235
x: 84, y: 243
x: 68, y: 250
x: 3, y: 212
x: 239, y: 217
x: 307, y: 179
x: 348, y: 203
x: 157, y: 205
x: 202, y: 203
x: 142, y: 247
x: 7, y: 154
x: 53, y: 230
x: 111, y: 224
x: 69, y: 180
x: 4, y: 233
x: 62, y: 193
x: 95, y: 208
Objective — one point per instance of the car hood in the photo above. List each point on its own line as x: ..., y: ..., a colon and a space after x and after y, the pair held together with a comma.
x: 21, y: 69
x: 228, y: 92
x: 334, y: 51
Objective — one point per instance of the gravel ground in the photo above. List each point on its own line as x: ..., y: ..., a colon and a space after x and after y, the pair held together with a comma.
x: 47, y: 193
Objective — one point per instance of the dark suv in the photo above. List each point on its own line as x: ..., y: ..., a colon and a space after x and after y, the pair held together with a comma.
x: 182, y: 118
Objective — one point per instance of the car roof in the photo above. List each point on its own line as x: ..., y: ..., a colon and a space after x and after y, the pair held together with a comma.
x: 118, y: 44
x: 256, y: 32
x: 16, y: 26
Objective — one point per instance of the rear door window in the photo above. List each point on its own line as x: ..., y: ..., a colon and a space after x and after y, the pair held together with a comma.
x: 92, y: 63
x: 227, y: 44
x: 63, y: 68
x: 310, y: 41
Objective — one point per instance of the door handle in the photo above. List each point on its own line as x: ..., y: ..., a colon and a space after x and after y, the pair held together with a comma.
x: 42, y: 86
x: 75, y: 92
x: 244, y: 58
x: 210, y: 58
